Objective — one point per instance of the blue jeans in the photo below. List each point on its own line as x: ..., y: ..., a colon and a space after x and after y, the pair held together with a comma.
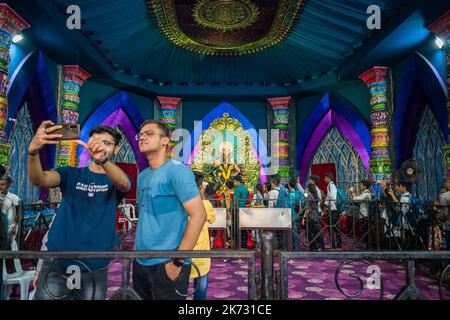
x: 200, y: 294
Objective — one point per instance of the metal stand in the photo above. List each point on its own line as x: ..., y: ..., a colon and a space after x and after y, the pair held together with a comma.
x: 410, y: 291
x: 267, y: 289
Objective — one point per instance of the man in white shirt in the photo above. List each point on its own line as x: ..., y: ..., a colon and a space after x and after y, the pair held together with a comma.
x: 8, y: 207
x: 364, y: 200
x: 274, y: 192
x: 335, y: 233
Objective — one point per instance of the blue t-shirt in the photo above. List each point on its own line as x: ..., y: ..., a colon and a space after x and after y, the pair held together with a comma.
x: 162, y: 218
x: 241, y: 195
x: 85, y: 221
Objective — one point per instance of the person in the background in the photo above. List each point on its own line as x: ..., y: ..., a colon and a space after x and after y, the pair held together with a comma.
x: 3, y: 239
x: 266, y: 189
x: 331, y: 204
x: 203, y: 243
x: 8, y: 208
x: 311, y: 219
x: 364, y: 199
x: 258, y: 198
x: 404, y: 206
x: 295, y: 197
x: 315, y: 180
x: 274, y: 192
x: 299, y: 186
x: 227, y: 200
x: 444, y: 199
x: 241, y: 195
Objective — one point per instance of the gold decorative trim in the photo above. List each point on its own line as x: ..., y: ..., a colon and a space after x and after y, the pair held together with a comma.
x: 225, y: 15
x: 287, y: 14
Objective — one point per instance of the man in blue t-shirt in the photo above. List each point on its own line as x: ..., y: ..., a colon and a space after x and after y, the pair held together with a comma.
x: 85, y: 221
x: 171, y: 216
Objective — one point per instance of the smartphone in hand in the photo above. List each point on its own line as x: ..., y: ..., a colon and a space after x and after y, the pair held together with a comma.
x: 69, y: 131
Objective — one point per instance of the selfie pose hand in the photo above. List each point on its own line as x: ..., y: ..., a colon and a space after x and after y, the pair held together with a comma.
x: 44, y: 136
x: 96, y: 148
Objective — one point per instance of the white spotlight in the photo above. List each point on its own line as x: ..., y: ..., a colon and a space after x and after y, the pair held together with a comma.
x: 439, y: 42
x: 17, y: 38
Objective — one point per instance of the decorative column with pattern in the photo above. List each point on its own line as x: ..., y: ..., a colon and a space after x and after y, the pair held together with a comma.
x: 73, y: 79
x: 441, y: 27
x: 168, y: 107
x: 380, y: 163
x: 10, y: 24
x: 280, y: 107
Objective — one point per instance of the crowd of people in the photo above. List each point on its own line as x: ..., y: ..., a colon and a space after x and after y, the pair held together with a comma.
x: 387, y: 217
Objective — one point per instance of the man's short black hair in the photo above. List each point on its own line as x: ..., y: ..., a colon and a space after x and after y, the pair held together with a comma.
x: 161, y: 125
x: 259, y: 188
x: 109, y: 130
x: 6, y: 178
x: 315, y: 178
x: 275, y: 179
x: 199, y: 177
x: 229, y: 183
x: 329, y: 175
x: 366, y: 183
x: 238, y: 178
x: 293, y: 183
x: 403, y: 183
x: 209, y: 190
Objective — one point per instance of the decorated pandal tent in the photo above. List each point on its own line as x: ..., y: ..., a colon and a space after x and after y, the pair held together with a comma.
x: 249, y: 88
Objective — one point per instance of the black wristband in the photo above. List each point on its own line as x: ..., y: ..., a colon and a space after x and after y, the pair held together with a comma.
x: 178, y: 262
x: 33, y: 154
x: 101, y: 163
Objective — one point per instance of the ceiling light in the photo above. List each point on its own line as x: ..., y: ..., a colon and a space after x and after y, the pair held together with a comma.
x: 17, y: 38
x: 439, y: 42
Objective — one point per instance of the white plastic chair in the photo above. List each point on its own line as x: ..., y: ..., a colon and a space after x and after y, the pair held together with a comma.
x: 130, y: 215
x: 20, y: 277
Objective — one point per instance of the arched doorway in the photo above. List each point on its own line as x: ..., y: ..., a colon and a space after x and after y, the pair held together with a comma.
x: 429, y: 151
x: 334, y: 123
x: 21, y: 135
x: 334, y: 148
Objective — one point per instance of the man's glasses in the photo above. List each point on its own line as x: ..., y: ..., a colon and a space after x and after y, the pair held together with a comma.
x: 147, y: 134
x: 108, y: 143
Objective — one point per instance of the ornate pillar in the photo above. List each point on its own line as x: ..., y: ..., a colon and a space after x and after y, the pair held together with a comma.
x: 10, y: 24
x: 280, y: 107
x: 441, y: 27
x: 380, y: 163
x: 73, y: 79
x: 168, y: 107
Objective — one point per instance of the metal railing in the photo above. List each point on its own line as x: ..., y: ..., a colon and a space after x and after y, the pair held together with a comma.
x: 126, y: 257
x: 385, y: 225
x: 410, y: 291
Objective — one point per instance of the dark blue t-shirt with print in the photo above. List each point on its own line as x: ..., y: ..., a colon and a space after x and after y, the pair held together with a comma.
x: 85, y: 221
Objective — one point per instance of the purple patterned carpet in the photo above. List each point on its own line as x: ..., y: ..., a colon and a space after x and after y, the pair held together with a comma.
x: 307, y: 279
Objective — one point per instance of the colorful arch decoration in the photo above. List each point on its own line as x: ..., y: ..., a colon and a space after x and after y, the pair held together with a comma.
x: 421, y: 84
x: 118, y: 110
x: 31, y: 80
x: 332, y: 111
x: 218, y: 112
